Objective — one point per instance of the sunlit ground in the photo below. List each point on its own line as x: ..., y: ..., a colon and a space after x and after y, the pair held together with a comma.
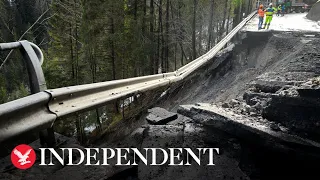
x: 288, y: 22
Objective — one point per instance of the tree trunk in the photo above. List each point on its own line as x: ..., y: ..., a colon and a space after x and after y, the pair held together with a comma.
x: 152, y: 59
x: 144, y: 62
x: 113, y: 53
x: 183, y: 54
x: 236, y: 17
x: 200, y: 37
x: 136, y: 61
x: 222, y: 29
x: 210, y: 28
x: 135, y: 9
x: 175, y: 37
x: 249, y: 8
x: 144, y: 17
x: 240, y: 13
x: 113, y: 57
x: 76, y: 46
x: 180, y: 30
x: 159, y: 58
x: 71, y: 54
x: 194, y: 52
x: 216, y: 38
x: 167, y: 37
x: 80, y: 129
x: 228, y: 20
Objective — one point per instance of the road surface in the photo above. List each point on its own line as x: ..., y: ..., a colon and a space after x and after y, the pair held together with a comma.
x: 289, y: 22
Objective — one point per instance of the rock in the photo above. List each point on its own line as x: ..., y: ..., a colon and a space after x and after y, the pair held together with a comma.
x: 316, y: 81
x: 160, y: 116
x: 225, y: 105
x: 252, y: 98
x: 269, y: 86
x: 247, y: 108
x: 254, y: 114
x: 258, y: 106
x: 181, y: 120
x: 289, y: 92
x: 299, y: 114
x: 251, y: 130
x: 234, y: 103
x: 275, y: 127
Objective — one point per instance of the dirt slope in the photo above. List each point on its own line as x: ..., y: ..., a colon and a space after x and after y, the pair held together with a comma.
x: 285, y: 57
x: 314, y: 13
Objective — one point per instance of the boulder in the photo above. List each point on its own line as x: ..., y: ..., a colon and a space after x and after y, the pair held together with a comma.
x: 160, y: 116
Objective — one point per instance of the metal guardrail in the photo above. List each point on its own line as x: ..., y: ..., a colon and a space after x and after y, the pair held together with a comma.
x: 40, y: 110
x: 189, y: 68
x: 25, y: 114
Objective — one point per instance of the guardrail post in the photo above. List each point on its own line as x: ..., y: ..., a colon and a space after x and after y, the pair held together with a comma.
x: 33, y: 58
x: 37, y: 84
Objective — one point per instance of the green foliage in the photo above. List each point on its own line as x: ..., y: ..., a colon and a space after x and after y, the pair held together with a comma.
x: 3, y: 94
x: 3, y: 90
x: 23, y: 91
x: 237, y: 3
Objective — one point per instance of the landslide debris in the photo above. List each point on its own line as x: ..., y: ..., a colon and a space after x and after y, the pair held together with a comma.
x: 276, y: 113
x: 314, y: 13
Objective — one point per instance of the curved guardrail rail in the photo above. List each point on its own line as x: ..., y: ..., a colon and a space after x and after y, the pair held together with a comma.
x: 41, y: 109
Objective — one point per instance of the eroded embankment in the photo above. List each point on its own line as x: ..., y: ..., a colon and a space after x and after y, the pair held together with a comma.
x: 281, y: 56
x: 314, y: 13
x: 244, y: 88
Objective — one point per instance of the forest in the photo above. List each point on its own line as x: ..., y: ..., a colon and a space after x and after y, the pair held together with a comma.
x: 89, y: 41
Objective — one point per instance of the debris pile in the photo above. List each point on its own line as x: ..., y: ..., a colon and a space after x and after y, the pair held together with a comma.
x: 314, y: 13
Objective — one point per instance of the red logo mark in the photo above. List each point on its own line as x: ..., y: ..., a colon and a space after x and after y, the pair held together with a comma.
x: 23, y: 156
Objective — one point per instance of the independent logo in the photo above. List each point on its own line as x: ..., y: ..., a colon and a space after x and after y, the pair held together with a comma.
x: 23, y: 156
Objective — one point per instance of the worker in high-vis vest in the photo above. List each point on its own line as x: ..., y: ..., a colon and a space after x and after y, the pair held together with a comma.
x: 279, y: 10
x: 275, y: 10
x: 269, y: 14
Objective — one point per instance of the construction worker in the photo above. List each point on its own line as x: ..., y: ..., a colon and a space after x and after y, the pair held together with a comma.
x: 283, y: 9
x: 279, y: 10
x: 261, y: 16
x: 269, y: 14
x: 275, y: 10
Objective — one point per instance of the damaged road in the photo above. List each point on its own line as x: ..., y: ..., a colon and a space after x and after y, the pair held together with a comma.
x: 265, y: 97
x: 258, y: 103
